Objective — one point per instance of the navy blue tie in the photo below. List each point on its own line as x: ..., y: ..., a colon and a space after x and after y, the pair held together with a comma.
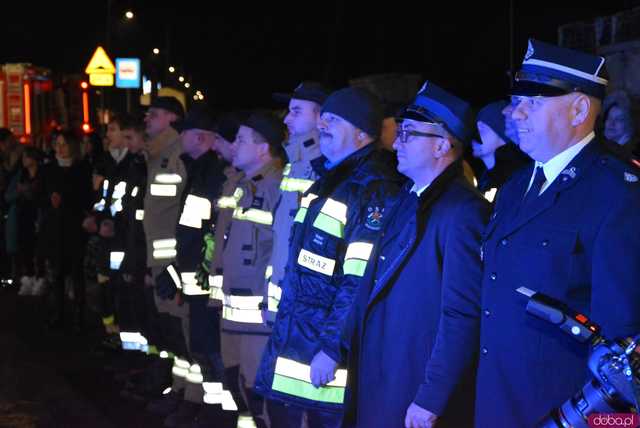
x: 536, y: 186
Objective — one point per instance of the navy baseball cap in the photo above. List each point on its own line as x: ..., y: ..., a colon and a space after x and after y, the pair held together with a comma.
x: 306, y: 91
x: 435, y: 105
x: 197, y: 118
x: 267, y: 125
x: 491, y: 115
x: 549, y: 70
x: 170, y: 104
x: 357, y: 106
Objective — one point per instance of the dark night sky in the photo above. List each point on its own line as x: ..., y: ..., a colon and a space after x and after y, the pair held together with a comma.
x: 240, y: 52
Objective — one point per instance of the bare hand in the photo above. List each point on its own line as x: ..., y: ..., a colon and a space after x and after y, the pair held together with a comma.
x: 323, y: 369
x: 56, y: 200
x: 417, y: 417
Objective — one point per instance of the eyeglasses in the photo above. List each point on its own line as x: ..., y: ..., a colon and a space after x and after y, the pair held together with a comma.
x: 404, y: 134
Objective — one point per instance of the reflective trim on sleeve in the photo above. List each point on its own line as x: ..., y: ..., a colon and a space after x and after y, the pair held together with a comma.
x: 291, y: 184
x: 304, y: 206
x: 356, y: 258
x: 168, y: 178
x: 286, y: 170
x: 163, y: 190
x: 316, y: 263
x: 243, y: 309
x: 134, y: 192
x: 274, y: 296
x: 105, y: 188
x: 253, y: 215
x: 490, y: 194
x: 190, y: 286
x: 195, y: 374
x: 99, y: 206
x: 120, y: 190
x: 231, y: 202
x: 215, y: 287
x: 115, y: 259
x: 332, y: 218
x: 268, y: 272
x: 294, y: 378
x: 174, y: 276
x: 139, y: 215
x: 194, y: 211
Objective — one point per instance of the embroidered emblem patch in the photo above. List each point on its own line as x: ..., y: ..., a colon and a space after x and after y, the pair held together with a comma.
x: 571, y: 172
x: 374, y: 218
x: 257, y: 202
x: 631, y: 178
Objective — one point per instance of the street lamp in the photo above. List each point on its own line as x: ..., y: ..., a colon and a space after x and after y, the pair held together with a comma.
x: 181, y: 79
x: 156, y: 51
x: 128, y: 14
x: 171, y: 69
x: 187, y: 84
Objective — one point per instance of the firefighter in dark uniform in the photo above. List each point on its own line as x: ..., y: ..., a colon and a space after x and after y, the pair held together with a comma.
x: 203, y: 186
x: 566, y: 226
x: 417, y: 311
x: 334, y: 230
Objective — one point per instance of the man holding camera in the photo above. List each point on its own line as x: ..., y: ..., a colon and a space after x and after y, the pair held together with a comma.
x: 565, y: 227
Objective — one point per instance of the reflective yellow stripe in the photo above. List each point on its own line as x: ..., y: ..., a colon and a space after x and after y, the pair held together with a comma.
x: 180, y: 367
x: 164, y: 248
x: 290, y: 184
x: 115, y: 207
x: 246, y: 421
x: 356, y: 258
x: 286, y: 170
x: 316, y: 263
x: 108, y: 320
x: 268, y: 272
x: 231, y: 202
x: 163, y: 190
x: 294, y: 378
x: 332, y: 218
x: 274, y: 296
x: 120, y: 190
x: 115, y: 259
x: 105, y: 188
x: 190, y: 286
x: 243, y: 309
x: 140, y: 215
x: 168, y: 178
x: 174, y: 276
x: 253, y: 215
x: 164, y: 243
x: 304, y: 205
x: 134, y: 192
x: 164, y: 254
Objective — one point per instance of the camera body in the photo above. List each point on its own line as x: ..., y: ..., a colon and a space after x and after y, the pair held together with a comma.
x: 614, y: 364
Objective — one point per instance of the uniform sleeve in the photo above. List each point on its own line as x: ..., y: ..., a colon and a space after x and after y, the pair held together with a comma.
x: 364, y: 223
x: 616, y: 269
x: 457, y: 339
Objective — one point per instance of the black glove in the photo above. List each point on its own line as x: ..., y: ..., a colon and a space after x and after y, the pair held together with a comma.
x: 165, y: 283
x: 202, y: 271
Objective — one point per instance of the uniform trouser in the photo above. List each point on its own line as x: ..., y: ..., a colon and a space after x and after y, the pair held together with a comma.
x: 205, y: 347
x: 73, y: 268
x: 289, y: 416
x: 130, y: 304
x: 108, y: 297
x: 174, y: 331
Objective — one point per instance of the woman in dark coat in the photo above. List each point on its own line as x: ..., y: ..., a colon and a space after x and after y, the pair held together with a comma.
x: 67, y: 196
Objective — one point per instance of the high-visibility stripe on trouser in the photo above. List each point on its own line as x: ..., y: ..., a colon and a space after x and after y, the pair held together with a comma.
x: 215, y: 287
x: 356, y: 258
x: 246, y: 421
x: 164, y: 248
x: 179, y: 370
x: 215, y: 394
x: 294, y: 378
x: 243, y: 309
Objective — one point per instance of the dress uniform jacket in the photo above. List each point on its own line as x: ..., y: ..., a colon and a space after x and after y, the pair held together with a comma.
x: 579, y: 244
x: 298, y: 176
x: 247, y: 251
x: 339, y: 218
x: 165, y: 183
x: 135, y: 256
x: 417, y: 315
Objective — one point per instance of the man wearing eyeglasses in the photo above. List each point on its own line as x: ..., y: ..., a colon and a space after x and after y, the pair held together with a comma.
x: 566, y: 227
x: 416, y: 318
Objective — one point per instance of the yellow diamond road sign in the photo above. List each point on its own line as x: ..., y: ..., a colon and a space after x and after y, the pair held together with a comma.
x: 100, y: 63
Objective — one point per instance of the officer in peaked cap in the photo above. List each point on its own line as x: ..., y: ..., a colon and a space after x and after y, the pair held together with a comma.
x: 566, y: 227
x: 409, y: 362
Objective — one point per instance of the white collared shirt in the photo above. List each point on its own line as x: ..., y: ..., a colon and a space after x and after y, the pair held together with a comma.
x: 554, y: 166
x: 418, y: 192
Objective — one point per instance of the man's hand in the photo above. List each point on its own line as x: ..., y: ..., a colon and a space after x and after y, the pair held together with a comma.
x: 323, y: 369
x: 56, y: 200
x: 417, y: 417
